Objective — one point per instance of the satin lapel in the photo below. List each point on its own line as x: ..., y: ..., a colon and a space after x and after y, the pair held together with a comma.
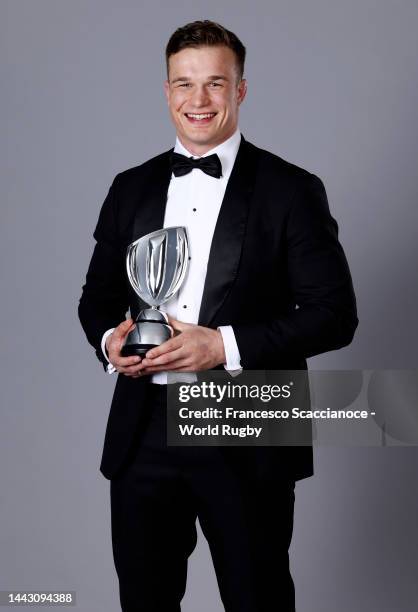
x: 225, y: 251
x: 149, y: 216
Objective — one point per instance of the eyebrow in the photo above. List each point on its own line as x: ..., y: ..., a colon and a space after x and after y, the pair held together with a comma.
x: 213, y: 77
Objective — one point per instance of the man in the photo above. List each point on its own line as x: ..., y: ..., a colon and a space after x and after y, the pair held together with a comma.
x: 254, y: 221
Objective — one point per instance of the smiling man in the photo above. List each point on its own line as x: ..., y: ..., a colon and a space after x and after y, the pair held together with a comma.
x: 253, y: 221
x: 204, y: 91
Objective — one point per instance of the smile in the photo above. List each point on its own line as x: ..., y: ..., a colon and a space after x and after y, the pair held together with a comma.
x: 200, y: 117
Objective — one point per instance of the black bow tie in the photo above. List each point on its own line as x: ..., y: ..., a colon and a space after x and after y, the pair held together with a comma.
x: 181, y: 165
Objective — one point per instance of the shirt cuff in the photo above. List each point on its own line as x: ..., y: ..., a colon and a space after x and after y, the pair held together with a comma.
x: 233, y: 358
x: 110, y: 368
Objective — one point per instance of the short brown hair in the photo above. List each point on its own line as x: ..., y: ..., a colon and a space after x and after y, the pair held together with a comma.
x: 206, y: 33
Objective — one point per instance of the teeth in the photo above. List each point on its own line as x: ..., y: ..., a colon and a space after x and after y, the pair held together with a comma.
x: 202, y: 116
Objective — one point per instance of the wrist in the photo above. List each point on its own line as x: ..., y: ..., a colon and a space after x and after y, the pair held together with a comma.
x: 104, y: 343
x: 107, y: 343
x: 221, y: 348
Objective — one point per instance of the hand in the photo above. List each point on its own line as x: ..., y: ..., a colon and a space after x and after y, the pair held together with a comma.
x: 192, y: 348
x: 114, y: 343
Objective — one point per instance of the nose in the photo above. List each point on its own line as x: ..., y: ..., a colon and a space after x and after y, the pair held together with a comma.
x: 200, y: 96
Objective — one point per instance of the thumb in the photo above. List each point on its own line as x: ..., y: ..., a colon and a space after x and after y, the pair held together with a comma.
x: 179, y: 325
x: 123, y: 328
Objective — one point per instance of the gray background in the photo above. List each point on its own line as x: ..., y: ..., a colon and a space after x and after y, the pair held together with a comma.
x: 332, y: 87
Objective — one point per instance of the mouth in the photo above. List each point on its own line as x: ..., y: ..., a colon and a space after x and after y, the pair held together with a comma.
x: 199, y: 118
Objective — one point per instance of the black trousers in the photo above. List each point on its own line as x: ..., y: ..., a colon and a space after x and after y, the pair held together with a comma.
x: 246, y: 518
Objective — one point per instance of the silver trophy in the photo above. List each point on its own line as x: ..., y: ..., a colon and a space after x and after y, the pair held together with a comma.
x: 156, y: 265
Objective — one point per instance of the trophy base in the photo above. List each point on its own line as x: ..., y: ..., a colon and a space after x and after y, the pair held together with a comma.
x: 130, y: 350
x: 151, y: 329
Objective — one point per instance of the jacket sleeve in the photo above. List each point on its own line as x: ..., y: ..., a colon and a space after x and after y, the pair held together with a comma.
x: 325, y: 317
x: 104, y: 299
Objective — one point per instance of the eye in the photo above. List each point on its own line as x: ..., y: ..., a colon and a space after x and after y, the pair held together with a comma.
x: 184, y: 85
x: 214, y: 84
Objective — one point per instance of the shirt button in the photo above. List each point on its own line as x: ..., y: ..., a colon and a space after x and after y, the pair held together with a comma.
x: 194, y: 209
x: 184, y: 305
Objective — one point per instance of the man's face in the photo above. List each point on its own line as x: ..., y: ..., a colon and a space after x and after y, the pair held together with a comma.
x: 203, y: 93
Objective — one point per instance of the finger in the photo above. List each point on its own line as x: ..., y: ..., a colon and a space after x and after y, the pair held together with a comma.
x: 179, y: 325
x: 130, y: 370
x: 138, y: 374
x: 165, y: 358
x: 124, y: 362
x: 171, y: 367
x: 165, y: 347
x: 115, y: 340
x: 122, y: 329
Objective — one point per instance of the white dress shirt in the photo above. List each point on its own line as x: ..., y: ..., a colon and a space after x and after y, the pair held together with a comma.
x: 194, y: 201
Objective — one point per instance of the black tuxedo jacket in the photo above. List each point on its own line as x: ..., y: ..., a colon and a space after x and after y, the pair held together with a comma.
x: 276, y: 272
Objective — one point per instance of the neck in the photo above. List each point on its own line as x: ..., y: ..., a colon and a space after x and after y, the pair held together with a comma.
x: 200, y: 149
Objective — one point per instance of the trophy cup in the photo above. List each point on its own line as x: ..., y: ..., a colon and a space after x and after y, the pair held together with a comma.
x: 156, y: 265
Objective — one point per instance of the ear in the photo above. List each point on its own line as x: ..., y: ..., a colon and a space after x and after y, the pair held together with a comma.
x: 242, y: 90
x: 167, y: 90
